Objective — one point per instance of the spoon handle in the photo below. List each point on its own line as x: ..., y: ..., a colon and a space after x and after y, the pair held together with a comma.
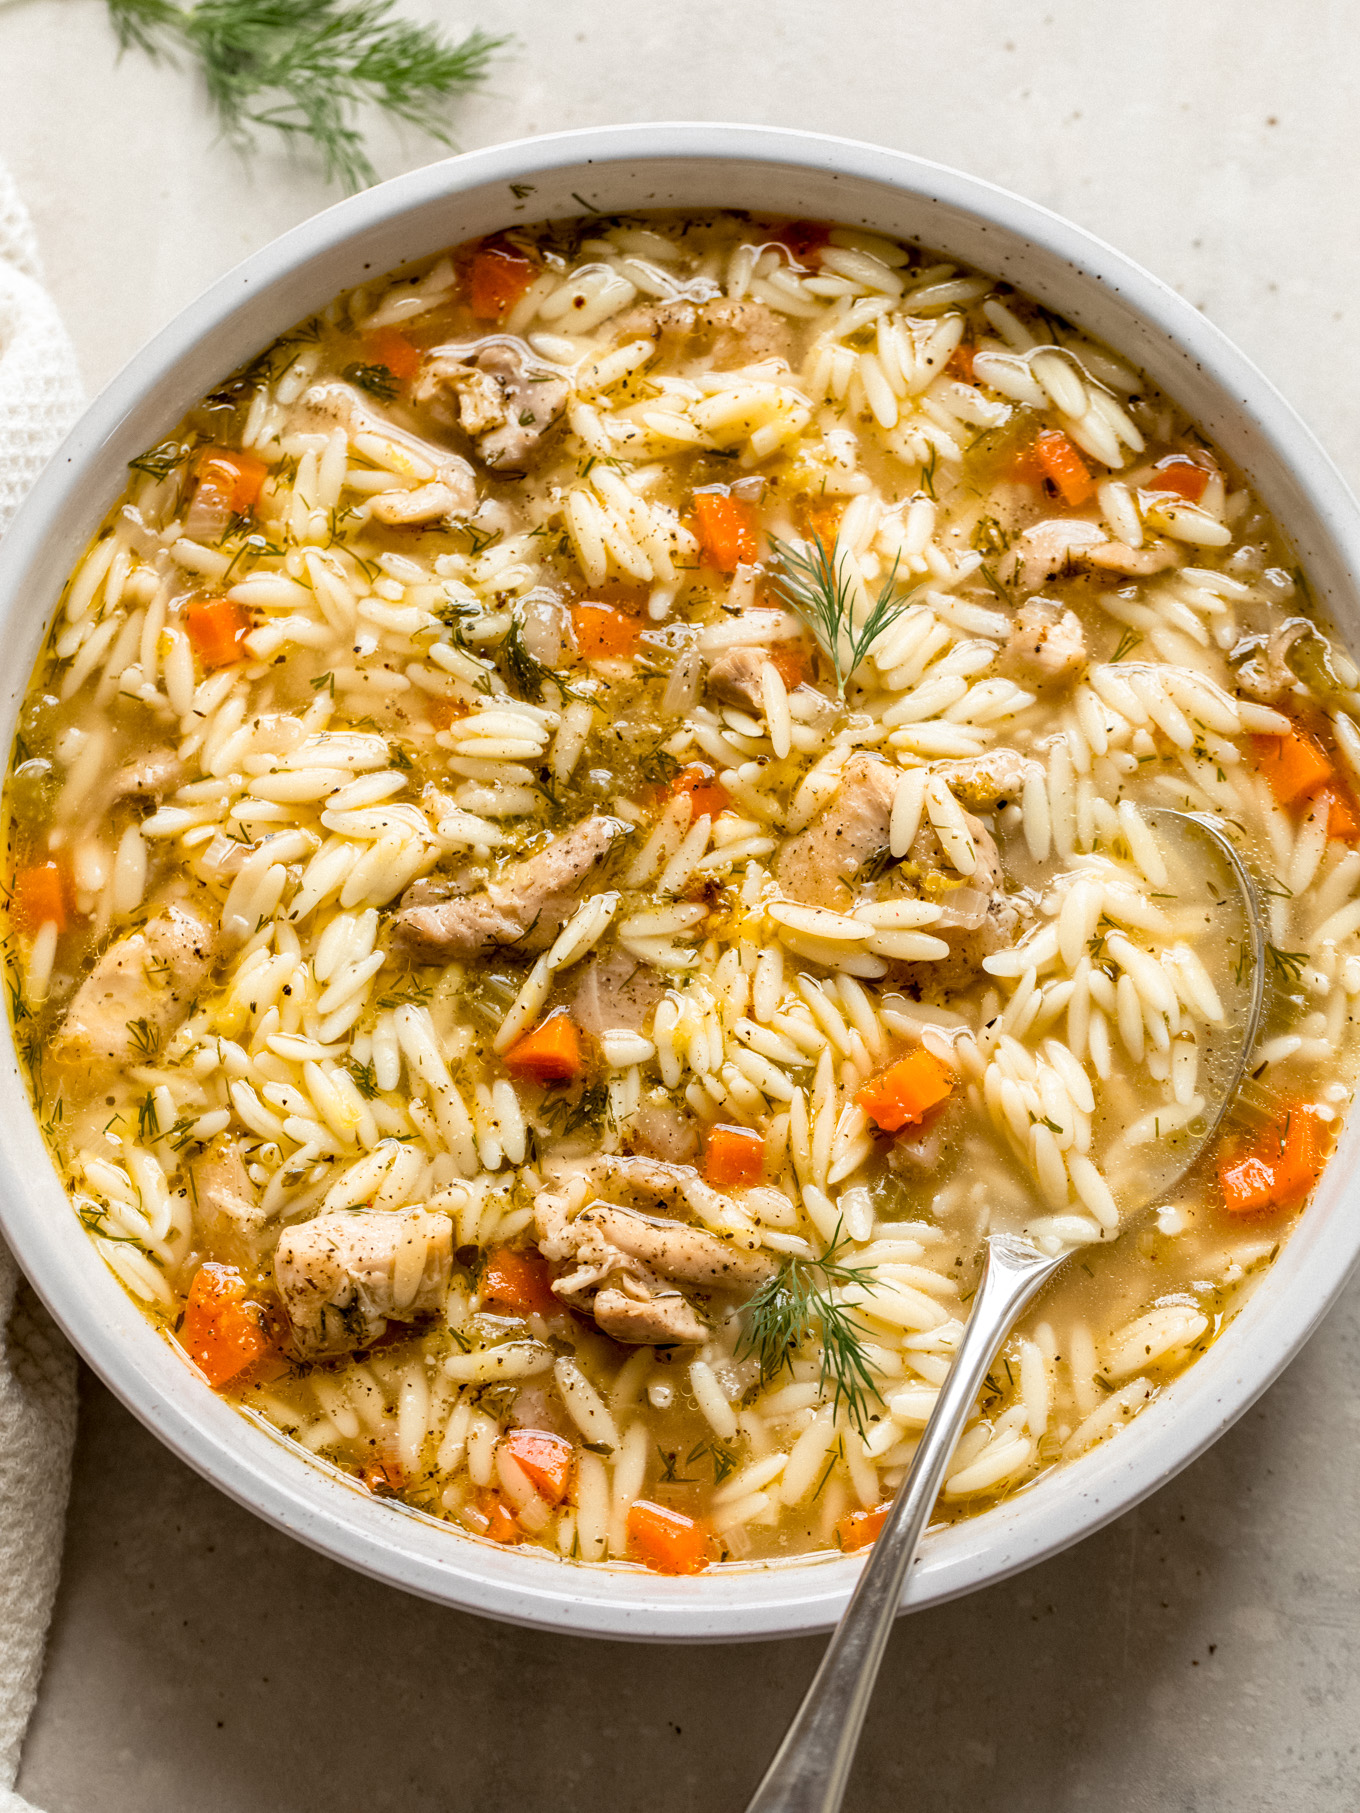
x: 812, y: 1765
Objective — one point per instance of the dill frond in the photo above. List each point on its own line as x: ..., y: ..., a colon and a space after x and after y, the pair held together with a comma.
x: 785, y: 1310
x: 303, y: 68
x: 819, y: 586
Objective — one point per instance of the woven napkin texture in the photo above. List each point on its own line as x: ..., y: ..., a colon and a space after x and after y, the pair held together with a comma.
x: 39, y: 399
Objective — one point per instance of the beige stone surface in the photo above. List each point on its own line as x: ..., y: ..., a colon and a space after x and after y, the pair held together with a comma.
x: 1200, y: 1656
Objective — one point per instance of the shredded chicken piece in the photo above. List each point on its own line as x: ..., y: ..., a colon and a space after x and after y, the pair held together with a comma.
x: 819, y: 867
x: 140, y: 990
x: 343, y: 1276
x: 502, y: 398
x: 734, y: 678
x: 823, y: 867
x: 1050, y: 550
x: 524, y: 907
x: 984, y: 783
x: 628, y: 1265
x: 225, y: 1203
x: 1137, y: 563
x: 616, y: 992
x: 720, y: 333
x: 1047, y: 641
x: 148, y: 776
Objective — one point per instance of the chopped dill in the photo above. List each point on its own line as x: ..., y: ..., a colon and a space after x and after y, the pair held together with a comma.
x: 377, y: 380
x: 365, y: 1077
x: 658, y: 766
x: 526, y: 671
x: 160, y: 462
x: 146, y: 1040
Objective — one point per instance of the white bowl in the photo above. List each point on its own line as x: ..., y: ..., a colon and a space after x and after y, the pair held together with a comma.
x: 621, y: 168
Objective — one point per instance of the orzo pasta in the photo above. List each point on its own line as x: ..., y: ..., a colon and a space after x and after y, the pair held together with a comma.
x: 582, y: 833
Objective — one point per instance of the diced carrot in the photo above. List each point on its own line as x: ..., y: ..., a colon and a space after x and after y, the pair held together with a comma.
x: 1024, y: 468
x: 223, y: 1332
x: 1248, y: 1184
x: 1281, y: 1168
x: 860, y: 1528
x: 820, y: 517
x: 217, y: 628
x: 906, y: 1090
x: 551, y: 1053
x: 519, y: 1281
x: 383, y: 1478
x: 388, y: 346
x: 789, y: 660
x: 1343, y: 818
x: 1184, y: 476
x: 961, y: 359
x: 667, y: 1540
x: 801, y: 238
x: 501, y: 1523
x: 734, y: 1158
x: 236, y: 477
x: 1294, y: 764
x: 1060, y: 462
x: 443, y: 712
x: 602, y: 633
x: 706, y: 792
x: 545, y: 1458
x: 1303, y: 1152
x: 40, y: 897
x: 499, y: 277
x: 727, y: 530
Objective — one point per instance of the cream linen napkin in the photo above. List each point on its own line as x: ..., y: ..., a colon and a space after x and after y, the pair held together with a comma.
x: 39, y: 399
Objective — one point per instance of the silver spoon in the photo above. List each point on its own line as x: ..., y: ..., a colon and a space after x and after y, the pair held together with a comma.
x: 812, y: 1765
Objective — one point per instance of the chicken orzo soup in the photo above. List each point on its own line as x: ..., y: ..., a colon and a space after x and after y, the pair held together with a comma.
x: 582, y: 833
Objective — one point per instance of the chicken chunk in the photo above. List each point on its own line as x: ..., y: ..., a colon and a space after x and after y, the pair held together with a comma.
x: 823, y: 867
x: 337, y: 405
x: 819, y: 866
x: 148, y: 776
x: 1047, y: 642
x: 525, y: 907
x: 721, y: 332
x: 140, y: 990
x: 225, y: 1203
x: 1050, y: 550
x: 983, y: 783
x: 343, y: 1276
x: 734, y: 678
x: 491, y: 389
x: 617, y: 992
x: 628, y: 1265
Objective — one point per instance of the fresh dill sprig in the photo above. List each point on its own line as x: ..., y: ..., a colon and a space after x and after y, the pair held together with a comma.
x: 1288, y: 965
x: 1128, y: 641
x: 783, y: 1312
x: 820, y: 587
x: 303, y: 68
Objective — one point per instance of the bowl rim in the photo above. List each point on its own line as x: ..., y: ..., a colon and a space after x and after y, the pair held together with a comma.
x: 263, y: 1470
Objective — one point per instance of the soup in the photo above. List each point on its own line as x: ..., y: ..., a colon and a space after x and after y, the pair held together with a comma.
x: 589, y: 824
